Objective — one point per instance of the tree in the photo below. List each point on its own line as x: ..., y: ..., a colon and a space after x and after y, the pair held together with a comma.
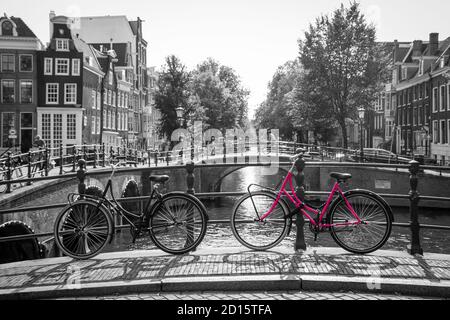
x: 172, y: 92
x: 221, y: 95
x: 276, y: 111
x: 341, y: 68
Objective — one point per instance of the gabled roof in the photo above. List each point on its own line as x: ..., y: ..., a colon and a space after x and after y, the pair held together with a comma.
x: 22, y: 29
x: 88, y: 51
x: 134, y: 27
x: 104, y: 29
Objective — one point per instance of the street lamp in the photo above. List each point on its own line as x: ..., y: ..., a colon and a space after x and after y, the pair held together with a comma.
x: 179, y: 111
x: 361, y: 113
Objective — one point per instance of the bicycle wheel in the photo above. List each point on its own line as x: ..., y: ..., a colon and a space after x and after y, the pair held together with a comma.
x: 368, y: 236
x: 178, y: 224
x: 83, y: 229
x: 253, y: 233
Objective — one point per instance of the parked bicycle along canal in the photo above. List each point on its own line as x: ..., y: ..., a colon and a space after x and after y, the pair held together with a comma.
x: 220, y: 235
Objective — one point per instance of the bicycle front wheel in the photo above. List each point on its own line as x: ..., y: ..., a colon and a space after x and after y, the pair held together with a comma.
x: 178, y: 224
x: 366, y: 237
x: 247, y: 226
x: 83, y: 229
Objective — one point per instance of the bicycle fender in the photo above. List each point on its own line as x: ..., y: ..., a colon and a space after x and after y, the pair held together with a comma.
x: 373, y: 194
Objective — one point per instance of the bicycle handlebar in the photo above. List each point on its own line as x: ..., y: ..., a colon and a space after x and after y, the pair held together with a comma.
x: 114, y: 168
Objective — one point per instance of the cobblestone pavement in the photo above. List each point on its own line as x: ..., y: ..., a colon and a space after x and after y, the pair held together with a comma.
x: 159, y: 269
x: 159, y: 266
x: 286, y: 295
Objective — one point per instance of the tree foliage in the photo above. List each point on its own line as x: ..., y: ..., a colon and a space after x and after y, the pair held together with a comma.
x: 276, y: 111
x: 211, y: 93
x: 339, y: 55
x: 221, y: 95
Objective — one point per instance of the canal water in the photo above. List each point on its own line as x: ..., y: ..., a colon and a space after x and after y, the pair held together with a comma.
x: 220, y: 235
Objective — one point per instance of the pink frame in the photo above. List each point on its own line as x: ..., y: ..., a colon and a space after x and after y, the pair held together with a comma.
x: 305, y: 209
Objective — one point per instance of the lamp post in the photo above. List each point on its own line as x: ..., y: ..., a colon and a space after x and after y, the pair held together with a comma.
x: 361, y: 113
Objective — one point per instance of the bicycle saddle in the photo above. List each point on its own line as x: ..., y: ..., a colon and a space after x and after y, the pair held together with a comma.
x: 340, y: 176
x: 159, y: 179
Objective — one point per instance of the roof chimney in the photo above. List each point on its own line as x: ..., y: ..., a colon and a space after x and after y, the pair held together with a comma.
x: 51, y: 15
x: 434, y: 44
x: 417, y: 48
x: 111, y: 44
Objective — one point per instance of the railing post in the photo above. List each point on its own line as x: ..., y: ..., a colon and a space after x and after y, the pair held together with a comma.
x: 81, y: 175
x: 74, y: 159
x: 156, y: 158
x: 130, y: 156
x: 8, y: 172
x: 414, y: 197
x: 103, y: 155
x: 167, y: 158
x: 190, y: 178
x: 136, y: 158
x: 29, y: 168
x: 300, y: 164
x: 111, y: 154
x: 61, y: 159
x: 46, y: 159
x: 95, y: 156
x: 84, y: 153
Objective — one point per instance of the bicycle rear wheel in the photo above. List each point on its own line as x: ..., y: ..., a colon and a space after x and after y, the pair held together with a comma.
x: 178, y: 224
x: 253, y: 233
x: 83, y: 229
x: 368, y: 236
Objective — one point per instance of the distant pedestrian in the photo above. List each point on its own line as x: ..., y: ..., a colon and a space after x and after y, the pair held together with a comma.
x: 38, y: 142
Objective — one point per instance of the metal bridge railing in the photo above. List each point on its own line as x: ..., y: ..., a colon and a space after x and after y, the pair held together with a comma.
x: 411, y: 193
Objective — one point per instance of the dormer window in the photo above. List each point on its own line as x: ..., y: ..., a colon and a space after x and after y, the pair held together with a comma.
x: 404, y: 73
x: 420, y: 68
x: 7, y: 28
x: 62, y: 44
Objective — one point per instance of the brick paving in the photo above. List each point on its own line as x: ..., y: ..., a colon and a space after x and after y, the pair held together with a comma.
x: 156, y: 266
x: 256, y: 296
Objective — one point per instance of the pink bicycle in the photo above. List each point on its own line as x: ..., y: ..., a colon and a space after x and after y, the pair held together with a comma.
x: 359, y: 221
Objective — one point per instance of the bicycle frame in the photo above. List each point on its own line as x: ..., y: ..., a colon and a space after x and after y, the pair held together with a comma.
x: 305, y: 209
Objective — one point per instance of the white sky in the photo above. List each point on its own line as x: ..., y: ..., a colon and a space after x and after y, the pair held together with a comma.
x: 253, y: 37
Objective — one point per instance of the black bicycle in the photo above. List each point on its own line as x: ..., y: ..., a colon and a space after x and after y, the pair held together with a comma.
x: 176, y: 221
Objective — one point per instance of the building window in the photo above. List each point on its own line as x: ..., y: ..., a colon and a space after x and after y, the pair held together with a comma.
x: 57, y: 130
x: 448, y: 97
x: 443, y: 132
x: 26, y: 91
x: 94, y: 99
x: 71, y: 127
x: 62, y: 44
x: 46, y: 129
x: 104, y: 118
x: 420, y: 115
x: 435, y: 132
x: 93, y: 125
x: 26, y: 63
x: 8, y: 63
x: 8, y: 123
x: 415, y: 116
x: 404, y: 73
x: 52, y: 93
x: 442, y: 99
x: 76, y: 67
x: 8, y: 91
x: 70, y: 93
x: 7, y: 28
x: 48, y: 66
x: 435, y: 99
x: 62, y: 67
x: 420, y: 68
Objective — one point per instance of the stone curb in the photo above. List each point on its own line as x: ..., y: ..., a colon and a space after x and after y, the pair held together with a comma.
x: 265, y: 283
